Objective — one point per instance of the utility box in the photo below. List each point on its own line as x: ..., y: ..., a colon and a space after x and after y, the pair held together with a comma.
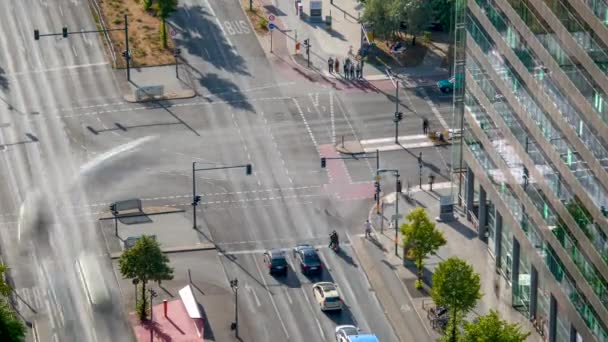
x: 446, y: 209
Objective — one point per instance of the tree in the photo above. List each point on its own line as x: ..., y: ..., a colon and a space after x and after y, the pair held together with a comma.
x: 456, y: 287
x: 491, y: 328
x: 418, y: 14
x: 12, y: 328
x: 164, y: 8
x: 147, y: 4
x: 5, y: 289
x: 145, y: 261
x: 442, y: 10
x: 420, y: 238
x: 381, y: 15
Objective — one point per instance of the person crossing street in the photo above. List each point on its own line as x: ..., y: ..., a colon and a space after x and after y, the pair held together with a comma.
x: 368, y: 229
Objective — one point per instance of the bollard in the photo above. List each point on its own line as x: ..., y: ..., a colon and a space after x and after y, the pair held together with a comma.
x: 342, y: 141
x: 165, y: 306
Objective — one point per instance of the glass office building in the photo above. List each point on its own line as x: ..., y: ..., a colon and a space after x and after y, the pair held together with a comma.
x: 531, y: 99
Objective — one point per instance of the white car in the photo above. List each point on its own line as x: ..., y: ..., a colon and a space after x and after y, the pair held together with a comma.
x: 327, y: 295
x: 350, y: 333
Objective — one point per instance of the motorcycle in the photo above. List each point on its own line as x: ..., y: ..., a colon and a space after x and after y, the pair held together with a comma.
x: 334, y: 244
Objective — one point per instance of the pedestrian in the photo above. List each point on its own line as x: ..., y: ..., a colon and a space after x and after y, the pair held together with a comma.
x: 368, y: 229
x: 420, y: 159
x: 359, y: 71
x: 425, y: 126
x: 352, y: 71
x: 337, y: 66
x: 346, y: 68
x: 330, y: 65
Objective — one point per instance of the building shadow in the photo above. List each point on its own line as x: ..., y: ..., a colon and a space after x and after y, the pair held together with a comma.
x: 463, y: 229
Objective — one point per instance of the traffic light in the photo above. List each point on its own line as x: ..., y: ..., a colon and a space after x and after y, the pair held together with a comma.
x: 248, y: 169
x: 377, y: 186
x: 398, y: 186
x: 113, y: 208
x: 307, y: 42
x: 323, y: 162
x: 197, y: 199
x: 36, y: 35
x: 65, y: 32
x: 399, y: 116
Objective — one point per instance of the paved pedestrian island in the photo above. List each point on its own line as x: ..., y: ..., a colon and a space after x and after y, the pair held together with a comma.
x: 386, y: 144
x: 176, y: 326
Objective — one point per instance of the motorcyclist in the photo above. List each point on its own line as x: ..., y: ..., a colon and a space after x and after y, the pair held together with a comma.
x: 333, y: 239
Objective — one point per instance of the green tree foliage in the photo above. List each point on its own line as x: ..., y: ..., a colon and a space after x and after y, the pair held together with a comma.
x: 381, y: 16
x: 12, y: 328
x: 147, y: 4
x: 491, y: 328
x: 5, y: 289
x: 420, y: 238
x: 443, y: 12
x: 418, y: 14
x: 164, y: 8
x: 145, y: 261
x: 456, y: 286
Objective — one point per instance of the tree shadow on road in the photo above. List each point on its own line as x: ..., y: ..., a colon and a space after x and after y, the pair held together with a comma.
x: 3, y: 80
x: 231, y: 92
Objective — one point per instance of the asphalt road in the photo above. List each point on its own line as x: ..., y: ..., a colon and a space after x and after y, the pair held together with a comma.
x: 247, y: 111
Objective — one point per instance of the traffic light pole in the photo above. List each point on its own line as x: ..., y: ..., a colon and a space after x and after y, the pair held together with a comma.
x: 65, y: 34
x: 397, y: 192
x: 195, y: 198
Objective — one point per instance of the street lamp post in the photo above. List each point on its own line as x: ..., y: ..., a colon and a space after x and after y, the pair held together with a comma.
x: 398, y: 115
x: 196, y: 198
x: 234, y: 284
x: 397, y: 192
x: 115, y: 214
x: 152, y: 296
x: 135, y: 281
x: 176, y: 53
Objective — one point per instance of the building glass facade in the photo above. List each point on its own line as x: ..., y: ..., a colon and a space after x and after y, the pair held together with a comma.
x: 533, y: 109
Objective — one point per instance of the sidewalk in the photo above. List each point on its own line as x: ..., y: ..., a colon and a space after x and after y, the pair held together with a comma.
x: 157, y: 83
x: 341, y: 40
x: 458, y: 233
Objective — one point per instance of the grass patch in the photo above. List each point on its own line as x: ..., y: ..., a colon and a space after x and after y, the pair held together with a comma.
x: 144, y: 33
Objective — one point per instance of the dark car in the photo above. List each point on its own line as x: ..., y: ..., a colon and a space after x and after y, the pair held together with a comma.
x: 307, y: 257
x: 275, y: 261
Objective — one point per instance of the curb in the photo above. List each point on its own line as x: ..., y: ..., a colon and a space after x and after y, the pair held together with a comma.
x: 184, y: 94
x: 179, y: 249
x: 108, y: 216
x: 350, y: 147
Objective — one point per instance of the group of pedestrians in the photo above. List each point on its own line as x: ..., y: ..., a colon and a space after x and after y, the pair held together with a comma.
x: 351, y: 70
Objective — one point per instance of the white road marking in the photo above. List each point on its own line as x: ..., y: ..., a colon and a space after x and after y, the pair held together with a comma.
x: 433, y: 107
x: 391, y: 139
x: 221, y: 27
x: 255, y: 296
x: 310, y: 305
x: 312, y: 137
x: 69, y: 67
x: 274, y: 305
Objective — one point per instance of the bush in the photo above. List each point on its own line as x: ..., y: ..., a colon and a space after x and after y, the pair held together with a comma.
x: 263, y: 23
x: 426, y: 37
x: 142, y: 309
x: 418, y: 284
x: 117, y: 21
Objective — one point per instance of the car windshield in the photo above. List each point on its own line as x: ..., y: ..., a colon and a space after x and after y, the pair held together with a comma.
x: 279, y: 262
x: 350, y: 331
x: 332, y: 299
x: 327, y: 288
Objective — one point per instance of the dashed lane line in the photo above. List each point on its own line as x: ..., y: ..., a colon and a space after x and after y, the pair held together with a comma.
x: 312, y: 137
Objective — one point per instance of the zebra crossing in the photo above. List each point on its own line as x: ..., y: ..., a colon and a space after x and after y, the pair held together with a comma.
x: 40, y: 301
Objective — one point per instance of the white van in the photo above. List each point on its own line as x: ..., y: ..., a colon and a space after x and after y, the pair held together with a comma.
x: 91, y: 276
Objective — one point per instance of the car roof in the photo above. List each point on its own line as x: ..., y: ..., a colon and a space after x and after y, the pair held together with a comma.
x: 363, y: 338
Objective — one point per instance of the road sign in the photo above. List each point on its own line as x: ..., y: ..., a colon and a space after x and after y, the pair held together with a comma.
x: 271, y: 26
x: 271, y: 17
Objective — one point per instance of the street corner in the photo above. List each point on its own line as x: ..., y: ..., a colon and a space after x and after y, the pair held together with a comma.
x: 350, y: 147
x: 148, y: 94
